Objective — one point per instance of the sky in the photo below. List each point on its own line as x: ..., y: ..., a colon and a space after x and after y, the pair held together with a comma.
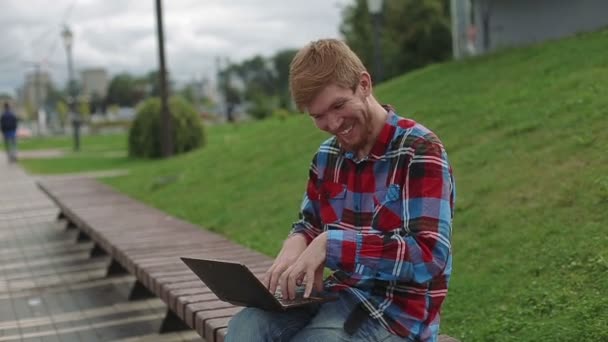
x: 120, y: 35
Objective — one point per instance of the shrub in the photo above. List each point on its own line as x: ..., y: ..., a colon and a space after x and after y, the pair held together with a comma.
x: 145, y: 135
x: 261, y: 107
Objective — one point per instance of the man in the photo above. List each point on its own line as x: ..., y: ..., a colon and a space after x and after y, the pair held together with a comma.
x: 8, y: 124
x: 377, y: 211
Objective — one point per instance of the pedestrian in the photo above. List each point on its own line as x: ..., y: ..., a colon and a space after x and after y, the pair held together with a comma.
x: 8, y: 125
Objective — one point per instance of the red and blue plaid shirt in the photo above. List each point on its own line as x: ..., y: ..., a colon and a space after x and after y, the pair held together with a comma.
x: 389, y: 223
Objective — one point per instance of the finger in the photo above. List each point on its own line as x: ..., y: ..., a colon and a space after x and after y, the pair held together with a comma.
x: 310, y: 280
x: 300, y: 281
x: 274, y: 277
x: 267, y: 275
x: 291, y: 283
x: 295, y: 273
x: 283, y: 282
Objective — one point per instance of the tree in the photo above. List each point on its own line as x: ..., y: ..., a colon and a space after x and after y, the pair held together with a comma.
x: 96, y: 104
x: 232, y: 96
x: 84, y: 110
x: 124, y: 90
x: 281, y: 61
x: 421, y: 30
x: 62, y: 110
x: 357, y: 31
x: 414, y: 33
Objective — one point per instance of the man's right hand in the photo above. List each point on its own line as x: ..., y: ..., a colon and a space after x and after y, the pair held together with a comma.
x: 292, y: 248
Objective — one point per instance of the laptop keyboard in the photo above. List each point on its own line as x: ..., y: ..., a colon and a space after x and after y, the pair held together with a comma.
x: 298, y: 300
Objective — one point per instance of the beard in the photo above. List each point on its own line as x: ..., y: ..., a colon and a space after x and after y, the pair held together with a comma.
x: 362, y: 131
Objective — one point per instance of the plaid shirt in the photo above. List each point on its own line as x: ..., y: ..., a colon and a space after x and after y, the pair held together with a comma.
x: 389, y: 223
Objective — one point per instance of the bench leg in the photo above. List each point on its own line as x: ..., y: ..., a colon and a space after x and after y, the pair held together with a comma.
x: 139, y: 292
x: 115, y: 269
x: 70, y: 225
x: 97, y: 251
x: 172, y: 323
x: 83, y: 237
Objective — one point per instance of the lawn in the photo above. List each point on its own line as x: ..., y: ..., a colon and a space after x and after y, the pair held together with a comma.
x: 97, y: 153
x: 525, y: 131
x: 88, y: 142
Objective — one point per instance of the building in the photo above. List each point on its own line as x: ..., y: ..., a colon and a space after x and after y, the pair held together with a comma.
x: 480, y: 26
x: 35, y: 89
x: 94, y: 82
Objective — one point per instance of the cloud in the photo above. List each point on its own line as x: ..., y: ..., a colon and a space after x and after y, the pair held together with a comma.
x: 121, y: 35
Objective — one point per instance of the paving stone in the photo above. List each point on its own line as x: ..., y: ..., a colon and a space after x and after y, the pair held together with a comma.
x: 50, y: 290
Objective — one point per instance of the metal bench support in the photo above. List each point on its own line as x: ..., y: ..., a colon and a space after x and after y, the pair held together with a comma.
x: 115, y: 269
x: 97, y: 251
x: 172, y: 323
x: 139, y: 292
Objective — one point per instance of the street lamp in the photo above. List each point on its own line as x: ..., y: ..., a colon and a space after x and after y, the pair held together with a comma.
x: 375, y: 9
x: 68, y: 41
x: 166, y: 122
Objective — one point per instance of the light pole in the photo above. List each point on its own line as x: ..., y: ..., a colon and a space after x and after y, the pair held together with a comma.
x: 375, y: 9
x: 165, y: 133
x: 68, y: 41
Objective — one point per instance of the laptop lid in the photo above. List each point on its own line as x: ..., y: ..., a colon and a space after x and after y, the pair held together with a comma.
x: 234, y: 283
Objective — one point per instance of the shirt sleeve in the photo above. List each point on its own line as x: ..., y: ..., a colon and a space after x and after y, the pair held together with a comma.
x: 422, y: 249
x: 309, y: 223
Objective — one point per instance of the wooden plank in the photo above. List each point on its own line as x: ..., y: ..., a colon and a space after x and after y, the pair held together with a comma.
x: 207, y: 326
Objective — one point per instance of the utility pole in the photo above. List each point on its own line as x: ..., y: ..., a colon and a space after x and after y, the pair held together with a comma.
x: 68, y: 39
x: 166, y: 139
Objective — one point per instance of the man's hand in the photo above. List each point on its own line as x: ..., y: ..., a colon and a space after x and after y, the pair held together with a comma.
x: 309, y: 266
x: 292, y: 248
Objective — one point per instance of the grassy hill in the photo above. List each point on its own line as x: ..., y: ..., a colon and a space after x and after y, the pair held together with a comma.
x: 526, y: 132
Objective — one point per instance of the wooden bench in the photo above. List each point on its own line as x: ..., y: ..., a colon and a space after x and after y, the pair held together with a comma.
x: 147, y: 243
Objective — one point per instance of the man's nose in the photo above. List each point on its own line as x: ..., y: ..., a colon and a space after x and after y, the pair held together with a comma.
x: 334, y: 124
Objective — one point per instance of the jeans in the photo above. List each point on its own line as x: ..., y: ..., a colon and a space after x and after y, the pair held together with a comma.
x: 10, y: 144
x: 321, y: 323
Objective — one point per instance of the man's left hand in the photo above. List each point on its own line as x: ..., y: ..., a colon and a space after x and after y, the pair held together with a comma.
x: 308, y: 266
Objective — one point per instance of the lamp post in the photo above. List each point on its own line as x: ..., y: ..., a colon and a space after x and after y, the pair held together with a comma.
x: 165, y: 133
x: 375, y: 9
x: 68, y: 41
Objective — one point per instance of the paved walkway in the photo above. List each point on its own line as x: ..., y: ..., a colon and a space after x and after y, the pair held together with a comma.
x: 50, y: 290
x: 41, y: 154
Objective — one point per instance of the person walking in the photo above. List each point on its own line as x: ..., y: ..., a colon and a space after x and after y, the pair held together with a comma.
x: 8, y: 124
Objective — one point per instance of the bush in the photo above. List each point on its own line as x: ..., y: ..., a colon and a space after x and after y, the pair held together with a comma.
x: 261, y: 107
x: 145, y: 135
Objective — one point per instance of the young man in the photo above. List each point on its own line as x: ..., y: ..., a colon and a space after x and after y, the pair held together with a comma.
x: 8, y: 125
x: 377, y: 211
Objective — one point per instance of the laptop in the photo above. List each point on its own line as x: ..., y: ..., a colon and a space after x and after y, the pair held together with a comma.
x: 234, y: 283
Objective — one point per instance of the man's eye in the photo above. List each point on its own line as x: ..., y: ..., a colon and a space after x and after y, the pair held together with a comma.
x: 339, y: 105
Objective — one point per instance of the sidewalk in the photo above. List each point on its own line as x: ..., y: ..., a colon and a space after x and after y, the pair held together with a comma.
x: 50, y: 290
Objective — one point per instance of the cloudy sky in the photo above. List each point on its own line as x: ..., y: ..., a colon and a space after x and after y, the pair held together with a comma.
x: 120, y: 35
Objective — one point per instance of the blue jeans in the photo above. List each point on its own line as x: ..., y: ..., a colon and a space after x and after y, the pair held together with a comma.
x: 10, y: 144
x: 315, y: 323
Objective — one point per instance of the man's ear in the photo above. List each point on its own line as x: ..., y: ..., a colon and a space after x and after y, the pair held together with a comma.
x: 365, y: 83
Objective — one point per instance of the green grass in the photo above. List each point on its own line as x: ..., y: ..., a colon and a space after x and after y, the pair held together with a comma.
x: 525, y: 131
x: 97, y: 152
x: 88, y: 142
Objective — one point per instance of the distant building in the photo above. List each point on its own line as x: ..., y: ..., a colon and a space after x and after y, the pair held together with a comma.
x: 35, y: 89
x: 94, y: 81
x: 480, y: 26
